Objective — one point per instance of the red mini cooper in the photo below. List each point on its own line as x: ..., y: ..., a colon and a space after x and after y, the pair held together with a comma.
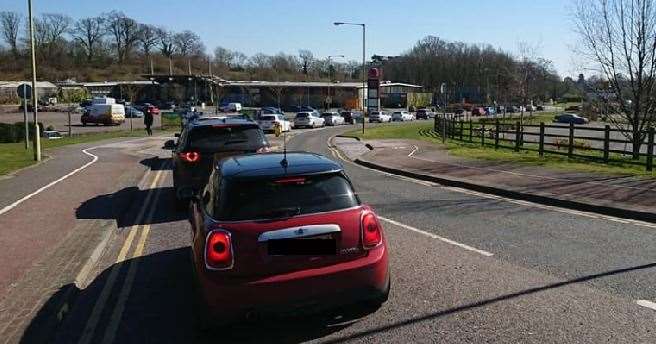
x: 280, y: 233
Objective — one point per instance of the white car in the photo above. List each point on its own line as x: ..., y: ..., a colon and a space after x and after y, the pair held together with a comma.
x: 332, y: 118
x: 379, y: 117
x: 268, y: 122
x: 308, y: 120
x: 402, y: 116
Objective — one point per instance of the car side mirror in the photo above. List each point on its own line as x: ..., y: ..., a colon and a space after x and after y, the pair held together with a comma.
x: 170, y: 145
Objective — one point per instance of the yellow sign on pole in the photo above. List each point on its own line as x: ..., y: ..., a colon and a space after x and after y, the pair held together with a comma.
x: 277, y: 129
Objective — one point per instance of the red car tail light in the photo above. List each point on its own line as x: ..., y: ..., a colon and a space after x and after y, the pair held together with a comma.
x: 218, y: 250
x: 371, y: 232
x: 190, y: 156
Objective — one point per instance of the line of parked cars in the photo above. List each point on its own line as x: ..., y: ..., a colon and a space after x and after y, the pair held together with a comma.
x: 272, y: 232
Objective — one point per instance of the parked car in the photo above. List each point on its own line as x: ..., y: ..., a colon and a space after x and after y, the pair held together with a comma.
x: 478, y: 111
x: 424, y: 114
x: 570, y: 118
x: 379, y: 117
x: 308, y: 120
x: 271, y: 110
x: 332, y: 118
x: 530, y: 108
x: 348, y: 116
x: 490, y: 111
x: 501, y: 109
x: 539, y: 108
x: 148, y: 108
x: 52, y: 134
x: 132, y: 112
x: 277, y: 232
x: 574, y: 108
x: 268, y: 122
x: 203, y: 143
x: 401, y: 116
x: 230, y: 107
x: 511, y: 109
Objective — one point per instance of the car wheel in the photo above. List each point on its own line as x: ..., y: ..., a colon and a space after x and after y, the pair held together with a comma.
x: 84, y: 124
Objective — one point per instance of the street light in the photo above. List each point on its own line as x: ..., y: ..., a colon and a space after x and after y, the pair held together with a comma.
x: 37, y: 138
x: 364, y: 67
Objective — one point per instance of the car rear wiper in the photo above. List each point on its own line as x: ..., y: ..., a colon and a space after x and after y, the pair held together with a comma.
x: 282, y: 213
x: 234, y: 142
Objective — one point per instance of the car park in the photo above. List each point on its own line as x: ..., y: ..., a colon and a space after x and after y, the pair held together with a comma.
x: 424, y: 114
x: 379, y: 117
x: 203, y: 142
x: 308, y: 120
x: 268, y: 122
x: 332, y: 118
x: 280, y: 232
x: 570, y: 118
x: 401, y: 116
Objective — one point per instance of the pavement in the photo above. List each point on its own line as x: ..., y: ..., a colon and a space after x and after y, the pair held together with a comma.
x: 617, y: 195
x: 466, y: 267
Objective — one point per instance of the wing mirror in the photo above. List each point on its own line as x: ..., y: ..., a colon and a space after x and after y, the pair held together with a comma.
x: 170, y: 145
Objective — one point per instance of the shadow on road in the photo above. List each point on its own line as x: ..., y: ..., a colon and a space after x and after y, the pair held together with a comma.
x: 160, y: 310
x: 157, y: 163
x: 123, y: 206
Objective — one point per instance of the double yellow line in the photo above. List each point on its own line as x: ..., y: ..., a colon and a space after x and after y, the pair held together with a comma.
x: 101, y: 302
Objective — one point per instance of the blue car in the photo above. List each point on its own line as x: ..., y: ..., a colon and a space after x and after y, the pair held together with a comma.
x: 570, y: 118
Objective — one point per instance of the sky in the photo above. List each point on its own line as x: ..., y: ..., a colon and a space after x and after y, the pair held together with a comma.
x: 393, y: 26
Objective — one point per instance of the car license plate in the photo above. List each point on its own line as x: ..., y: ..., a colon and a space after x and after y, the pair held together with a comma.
x: 314, y: 246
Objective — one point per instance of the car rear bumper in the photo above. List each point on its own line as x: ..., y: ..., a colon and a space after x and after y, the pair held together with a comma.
x: 366, y: 278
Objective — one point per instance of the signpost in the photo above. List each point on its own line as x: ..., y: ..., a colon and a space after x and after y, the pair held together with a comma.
x: 24, y: 91
x: 373, y: 92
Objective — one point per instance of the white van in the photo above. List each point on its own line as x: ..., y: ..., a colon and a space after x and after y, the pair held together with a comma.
x: 106, y: 114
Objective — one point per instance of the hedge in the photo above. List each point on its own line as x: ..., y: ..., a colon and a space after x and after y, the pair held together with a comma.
x: 10, y: 133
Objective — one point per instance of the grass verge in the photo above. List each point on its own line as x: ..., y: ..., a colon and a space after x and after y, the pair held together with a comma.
x: 14, y: 156
x: 423, y: 131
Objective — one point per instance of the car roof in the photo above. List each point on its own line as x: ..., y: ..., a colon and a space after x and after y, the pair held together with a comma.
x: 270, y: 165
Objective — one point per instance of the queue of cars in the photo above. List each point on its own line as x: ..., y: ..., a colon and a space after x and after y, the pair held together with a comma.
x: 272, y: 231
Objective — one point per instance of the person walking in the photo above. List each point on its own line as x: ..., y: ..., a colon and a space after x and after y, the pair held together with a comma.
x: 148, y: 121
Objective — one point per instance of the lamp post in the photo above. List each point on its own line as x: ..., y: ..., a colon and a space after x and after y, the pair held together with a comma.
x: 364, y: 67
x: 37, y: 138
x: 330, y: 75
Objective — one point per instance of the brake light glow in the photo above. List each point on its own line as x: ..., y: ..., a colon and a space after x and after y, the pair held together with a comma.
x: 190, y: 157
x: 291, y: 180
x: 371, y: 232
x: 218, y: 250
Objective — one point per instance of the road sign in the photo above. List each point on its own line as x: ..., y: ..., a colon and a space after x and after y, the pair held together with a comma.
x: 24, y: 91
x: 373, y: 88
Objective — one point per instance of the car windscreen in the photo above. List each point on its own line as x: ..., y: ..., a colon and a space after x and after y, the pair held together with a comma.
x: 302, y: 115
x: 219, y: 137
x: 283, y: 197
x: 268, y: 118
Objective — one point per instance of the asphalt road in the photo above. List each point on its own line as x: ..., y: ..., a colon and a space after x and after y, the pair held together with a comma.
x: 465, y: 269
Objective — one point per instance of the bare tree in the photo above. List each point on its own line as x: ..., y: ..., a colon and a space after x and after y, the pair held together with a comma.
x: 166, y: 43
x: 223, y: 57
x: 188, y: 43
x: 124, y: 32
x: 618, y: 37
x: 306, y: 59
x: 89, y: 33
x: 148, y: 38
x: 10, y: 23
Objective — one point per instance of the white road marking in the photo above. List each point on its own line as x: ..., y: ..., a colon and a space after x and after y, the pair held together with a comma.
x: 647, y: 304
x: 43, y: 188
x: 437, y: 237
x: 591, y: 215
x: 413, y: 151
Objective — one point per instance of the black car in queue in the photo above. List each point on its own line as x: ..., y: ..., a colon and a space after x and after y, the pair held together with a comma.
x: 203, y: 143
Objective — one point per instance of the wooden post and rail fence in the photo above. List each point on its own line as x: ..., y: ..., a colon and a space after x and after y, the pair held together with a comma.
x: 574, y: 141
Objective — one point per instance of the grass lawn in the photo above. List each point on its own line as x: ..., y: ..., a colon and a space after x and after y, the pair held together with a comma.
x: 13, y: 156
x: 423, y: 131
